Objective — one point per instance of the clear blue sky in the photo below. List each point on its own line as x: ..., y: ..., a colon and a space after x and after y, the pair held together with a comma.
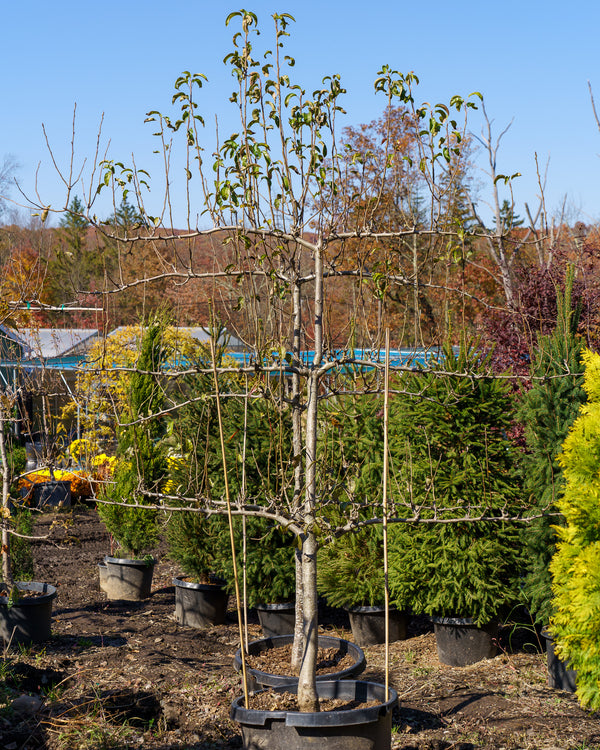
x: 531, y: 60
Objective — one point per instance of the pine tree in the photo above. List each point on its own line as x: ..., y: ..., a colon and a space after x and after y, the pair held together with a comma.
x: 73, y: 264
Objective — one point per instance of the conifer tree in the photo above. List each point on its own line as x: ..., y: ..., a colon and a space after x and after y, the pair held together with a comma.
x: 350, y: 570
x: 257, y: 454
x: 452, y: 462
x: 548, y: 410
x: 141, y: 464
x: 575, y: 568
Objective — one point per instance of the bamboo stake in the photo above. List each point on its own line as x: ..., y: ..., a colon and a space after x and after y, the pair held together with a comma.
x: 230, y: 519
x: 244, y: 531
x: 386, y: 404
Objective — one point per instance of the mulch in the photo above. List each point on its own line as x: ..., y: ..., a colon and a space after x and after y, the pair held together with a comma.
x: 121, y: 675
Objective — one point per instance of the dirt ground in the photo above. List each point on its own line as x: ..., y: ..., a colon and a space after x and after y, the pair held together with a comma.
x: 118, y: 675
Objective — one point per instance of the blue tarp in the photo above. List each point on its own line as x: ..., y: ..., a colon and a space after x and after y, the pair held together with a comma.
x: 408, y: 357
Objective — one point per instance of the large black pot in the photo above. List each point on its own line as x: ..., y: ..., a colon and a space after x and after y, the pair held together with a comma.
x: 560, y: 675
x: 460, y: 642
x: 102, y: 575
x: 26, y: 620
x: 128, y: 580
x: 199, y: 605
x: 52, y: 494
x: 368, y: 625
x: 355, y: 729
x: 276, y: 619
x: 257, y: 678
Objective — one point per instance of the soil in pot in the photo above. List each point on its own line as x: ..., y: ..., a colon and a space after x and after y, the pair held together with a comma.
x: 560, y: 675
x: 28, y: 619
x: 361, y: 719
x: 368, y: 625
x: 267, y: 659
x: 199, y: 605
x: 128, y: 580
x: 459, y: 642
x: 276, y: 619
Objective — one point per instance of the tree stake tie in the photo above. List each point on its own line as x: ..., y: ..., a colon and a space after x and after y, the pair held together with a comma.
x: 230, y: 519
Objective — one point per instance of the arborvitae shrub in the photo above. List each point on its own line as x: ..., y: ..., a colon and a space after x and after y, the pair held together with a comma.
x: 575, y: 567
x: 141, y: 462
x: 547, y: 411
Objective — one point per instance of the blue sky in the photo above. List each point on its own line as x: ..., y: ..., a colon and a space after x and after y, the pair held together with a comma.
x: 531, y: 60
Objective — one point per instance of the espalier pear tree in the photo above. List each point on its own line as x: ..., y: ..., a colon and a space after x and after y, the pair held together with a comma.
x: 292, y: 260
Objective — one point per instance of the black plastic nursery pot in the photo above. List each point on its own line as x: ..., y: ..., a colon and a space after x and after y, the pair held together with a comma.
x: 276, y: 619
x: 257, y: 678
x: 128, y: 580
x: 560, y: 675
x: 103, y: 575
x: 368, y: 728
x: 200, y: 605
x: 27, y: 620
x: 52, y: 494
x: 460, y: 642
x: 368, y: 625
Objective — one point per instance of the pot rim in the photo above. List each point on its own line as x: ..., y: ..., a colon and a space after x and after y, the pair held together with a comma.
x: 327, y: 641
x: 134, y: 562
x: 374, y: 609
x: 276, y: 606
x: 213, y: 586
x: 46, y: 589
x: 325, y: 689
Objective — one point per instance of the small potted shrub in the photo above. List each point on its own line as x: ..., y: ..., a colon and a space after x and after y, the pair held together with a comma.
x: 139, y: 471
x: 195, y: 542
x: 454, y: 465
x: 350, y: 570
x: 350, y: 575
x: 270, y: 574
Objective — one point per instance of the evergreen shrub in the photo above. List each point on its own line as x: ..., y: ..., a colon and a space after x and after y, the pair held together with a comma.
x: 575, y: 567
x: 350, y: 568
x: 451, y: 460
x: 141, y: 461
x: 257, y: 438
x: 547, y: 411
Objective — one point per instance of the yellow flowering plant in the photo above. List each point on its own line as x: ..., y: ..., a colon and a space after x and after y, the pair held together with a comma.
x: 104, y: 381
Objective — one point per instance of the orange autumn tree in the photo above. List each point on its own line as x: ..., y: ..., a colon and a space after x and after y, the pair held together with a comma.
x: 24, y: 282
x: 385, y: 185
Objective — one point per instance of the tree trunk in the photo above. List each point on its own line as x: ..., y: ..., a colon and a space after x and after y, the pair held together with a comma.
x: 307, y: 686
x: 298, y: 645
x: 307, y: 683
